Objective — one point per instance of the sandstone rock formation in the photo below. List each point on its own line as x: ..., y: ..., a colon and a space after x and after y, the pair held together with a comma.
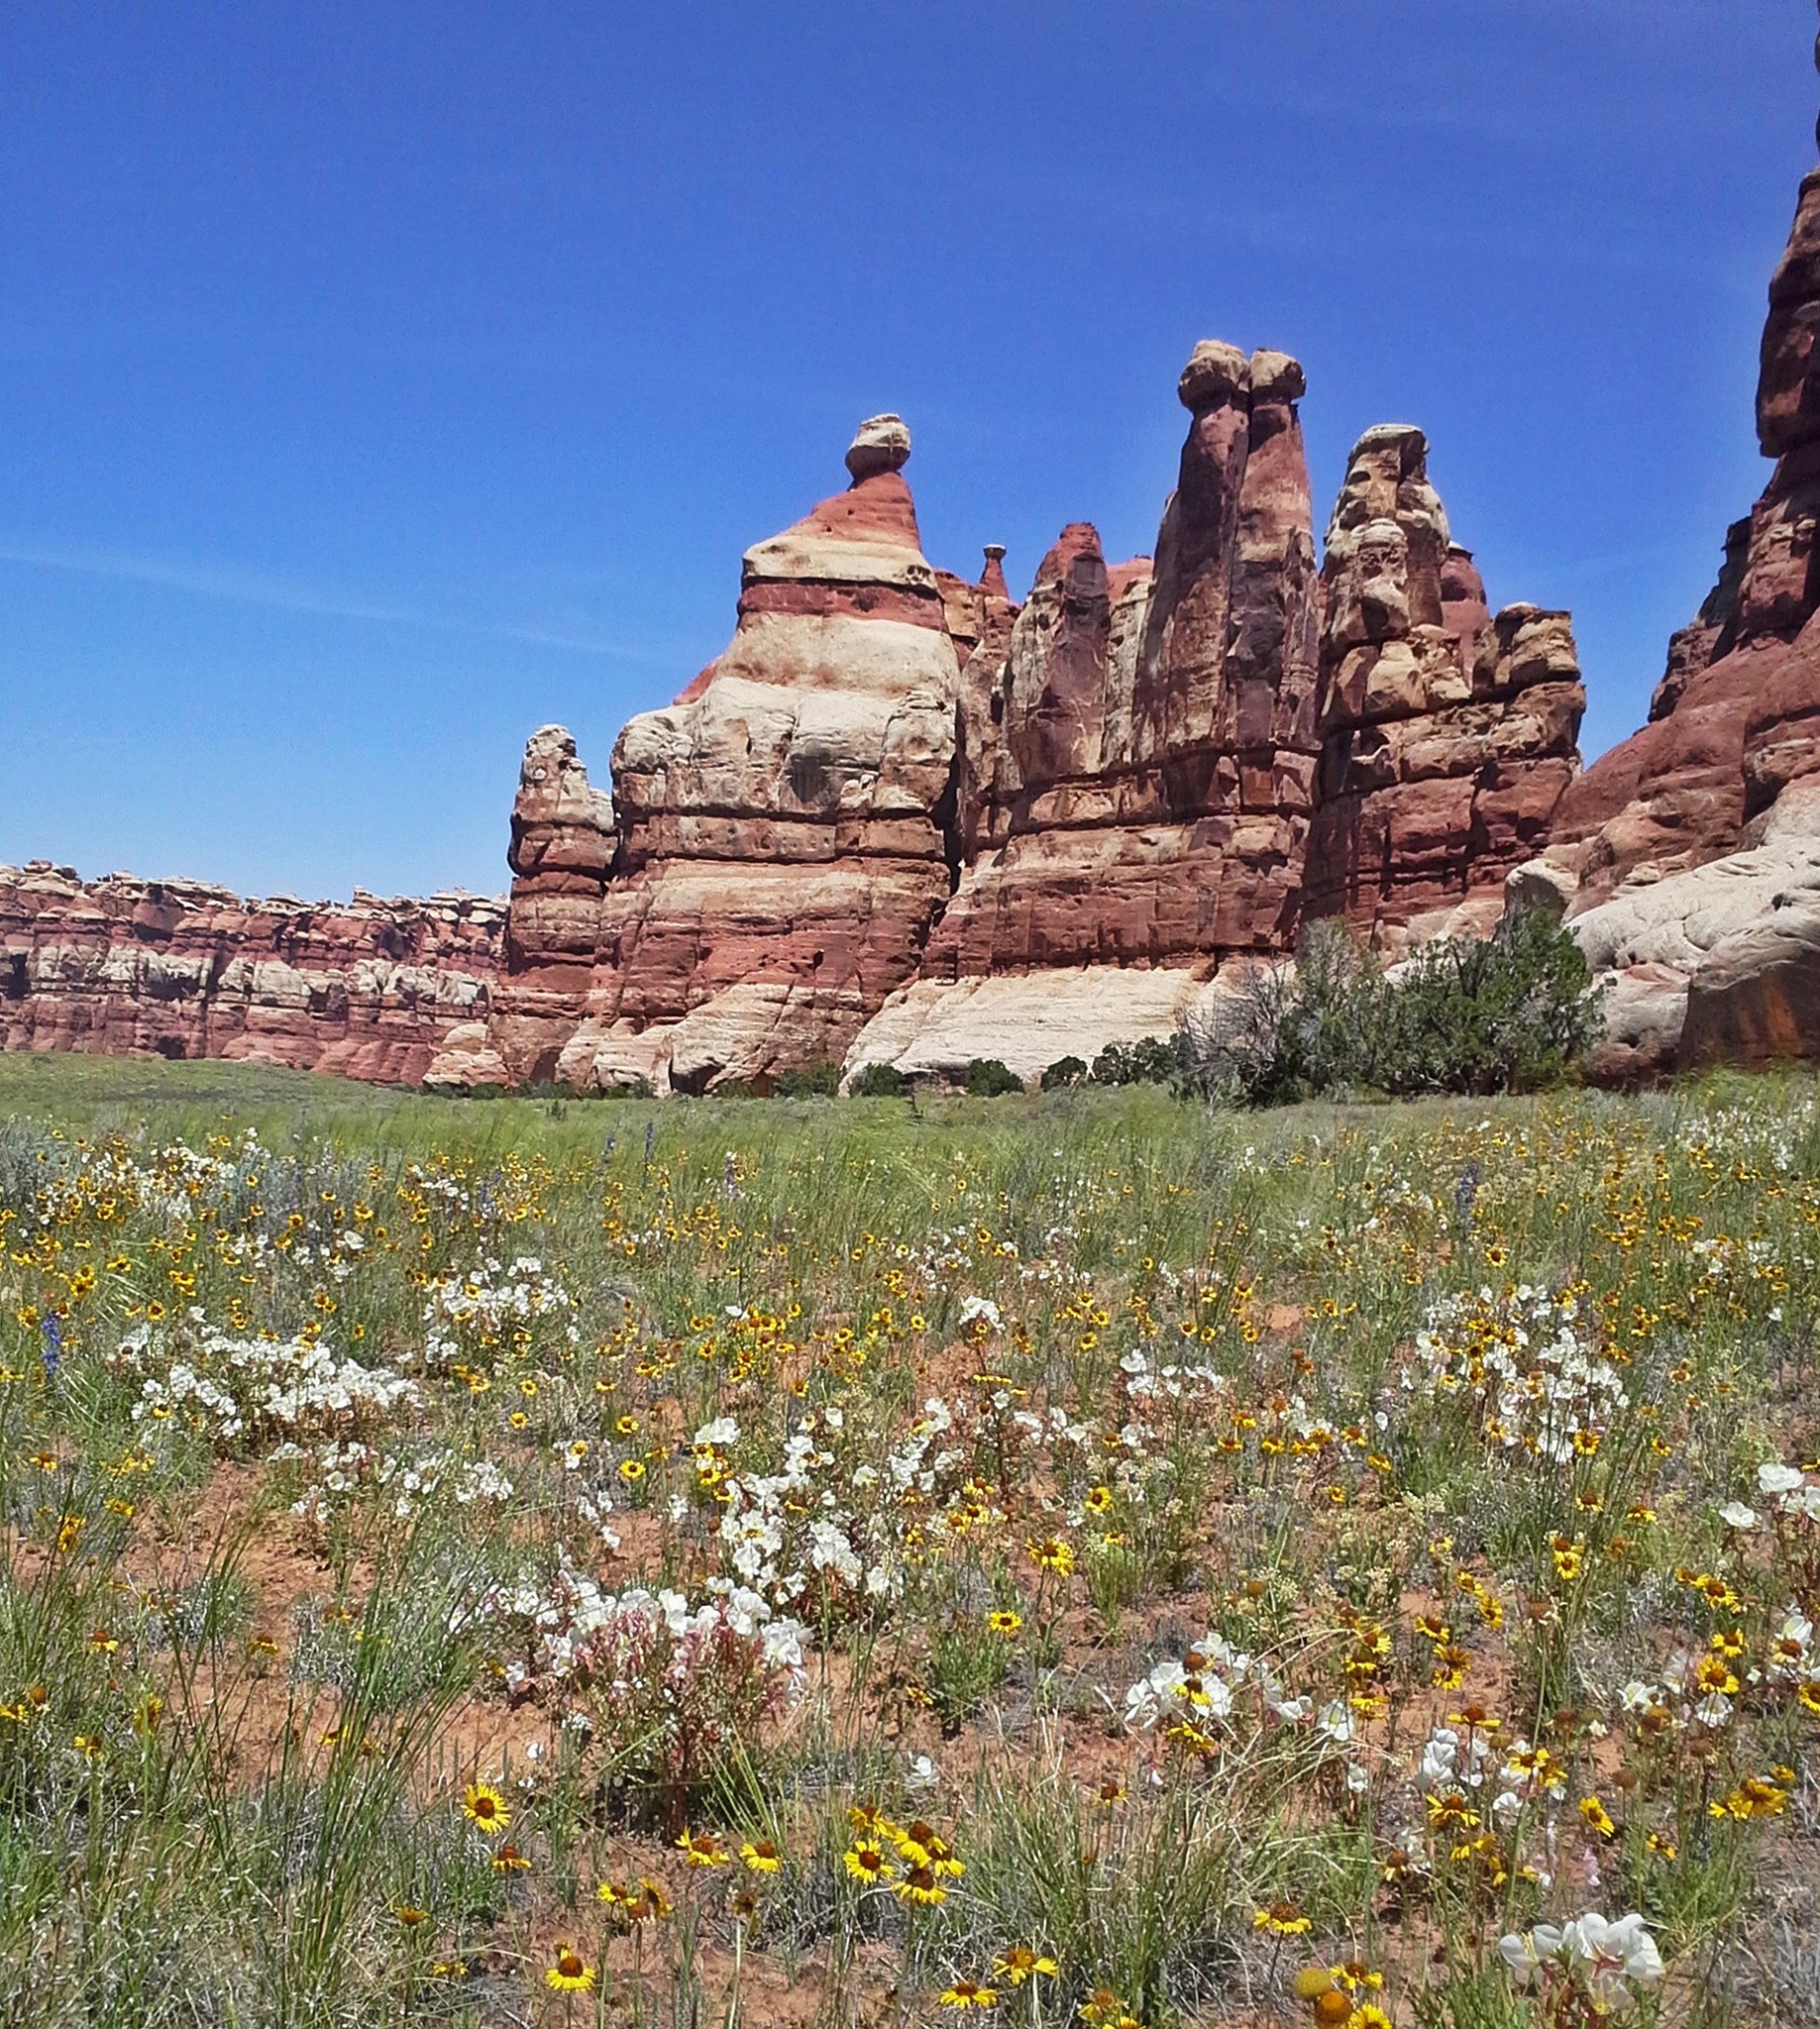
x: 1688, y: 857
x: 1178, y: 763
x: 1448, y: 737
x: 369, y: 988
x: 782, y: 831
x: 935, y: 1028
x: 1737, y: 716
x: 1137, y: 771
x: 897, y: 793
x: 1718, y: 963
x: 564, y: 842
x: 905, y: 820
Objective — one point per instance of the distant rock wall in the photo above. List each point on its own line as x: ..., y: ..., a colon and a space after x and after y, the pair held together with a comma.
x: 368, y: 989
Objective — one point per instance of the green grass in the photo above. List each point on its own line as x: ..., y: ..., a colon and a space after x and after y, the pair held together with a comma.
x: 282, y: 1508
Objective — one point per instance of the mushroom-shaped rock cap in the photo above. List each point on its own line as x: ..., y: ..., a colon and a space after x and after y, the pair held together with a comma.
x: 1408, y: 442
x: 1275, y: 377
x: 1214, y: 372
x: 880, y: 444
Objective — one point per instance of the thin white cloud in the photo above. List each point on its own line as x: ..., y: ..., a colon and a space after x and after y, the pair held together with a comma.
x: 245, y: 587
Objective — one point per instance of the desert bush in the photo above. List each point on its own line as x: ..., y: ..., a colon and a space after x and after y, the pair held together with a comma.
x: 812, y: 1080
x: 1511, y: 1013
x: 881, y: 1081
x: 1065, y: 1072
x: 1151, y: 1060
x: 988, y: 1078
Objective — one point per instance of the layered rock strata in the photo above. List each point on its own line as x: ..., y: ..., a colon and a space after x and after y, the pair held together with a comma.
x: 1137, y: 768
x: 564, y: 842
x: 1689, y: 858
x: 1719, y: 963
x: 370, y: 988
x: 783, y: 833
x: 895, y: 786
x: 1189, y: 759
x: 1448, y: 737
x: 1737, y: 716
x: 898, y: 793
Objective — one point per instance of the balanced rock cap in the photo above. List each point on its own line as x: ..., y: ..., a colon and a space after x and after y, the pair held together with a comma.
x: 1275, y: 377
x: 1404, y: 437
x: 880, y: 444
x: 1214, y: 372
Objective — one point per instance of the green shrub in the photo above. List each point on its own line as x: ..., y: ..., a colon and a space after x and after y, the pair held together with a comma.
x: 1511, y: 1013
x: 812, y: 1080
x: 881, y: 1081
x: 988, y: 1078
x: 1065, y: 1072
x: 1152, y: 1060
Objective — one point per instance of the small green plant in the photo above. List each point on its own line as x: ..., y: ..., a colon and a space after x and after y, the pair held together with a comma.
x: 1060, y: 1076
x: 988, y: 1078
x: 881, y: 1081
x: 812, y: 1080
x: 968, y: 1662
x: 1151, y: 1060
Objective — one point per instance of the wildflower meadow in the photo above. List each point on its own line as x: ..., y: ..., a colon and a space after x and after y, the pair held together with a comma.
x: 1078, y: 1558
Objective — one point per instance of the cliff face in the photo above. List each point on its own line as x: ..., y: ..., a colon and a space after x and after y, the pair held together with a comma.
x: 1448, y: 739
x: 1736, y: 718
x: 1689, y: 858
x: 905, y: 820
x: 898, y: 793
x: 897, y: 782
x: 778, y: 840
x: 369, y: 988
x: 1145, y: 800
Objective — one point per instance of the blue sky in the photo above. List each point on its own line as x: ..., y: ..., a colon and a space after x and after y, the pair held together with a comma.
x: 379, y: 381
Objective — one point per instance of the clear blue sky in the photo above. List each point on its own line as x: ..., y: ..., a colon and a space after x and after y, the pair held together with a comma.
x: 380, y: 380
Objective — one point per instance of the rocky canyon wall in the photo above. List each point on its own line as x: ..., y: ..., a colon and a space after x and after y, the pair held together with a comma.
x: 1736, y: 717
x: 368, y: 989
x: 1688, y: 857
x: 1145, y: 796
x: 904, y: 817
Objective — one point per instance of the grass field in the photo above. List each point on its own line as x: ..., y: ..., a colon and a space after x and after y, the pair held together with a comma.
x: 1076, y: 1558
